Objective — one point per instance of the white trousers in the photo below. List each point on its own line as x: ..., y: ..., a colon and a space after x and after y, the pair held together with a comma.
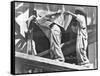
x: 55, y: 43
x: 81, y: 47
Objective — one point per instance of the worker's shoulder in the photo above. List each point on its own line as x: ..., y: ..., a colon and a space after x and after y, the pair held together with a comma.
x: 80, y: 18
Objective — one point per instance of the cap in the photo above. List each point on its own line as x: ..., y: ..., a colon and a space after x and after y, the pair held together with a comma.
x: 34, y: 12
x: 80, y: 10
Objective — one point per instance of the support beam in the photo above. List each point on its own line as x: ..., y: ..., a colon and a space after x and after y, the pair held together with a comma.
x: 43, y: 53
x: 45, y: 63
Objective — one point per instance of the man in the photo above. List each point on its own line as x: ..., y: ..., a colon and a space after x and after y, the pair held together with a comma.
x: 54, y: 34
x: 32, y: 22
x: 55, y: 38
x: 30, y: 42
x: 82, y: 36
x: 55, y: 42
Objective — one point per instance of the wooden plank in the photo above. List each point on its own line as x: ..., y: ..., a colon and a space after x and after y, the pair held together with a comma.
x: 47, y: 63
x: 43, y: 53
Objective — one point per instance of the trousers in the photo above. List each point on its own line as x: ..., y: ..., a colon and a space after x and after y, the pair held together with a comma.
x: 81, y: 47
x: 55, y: 43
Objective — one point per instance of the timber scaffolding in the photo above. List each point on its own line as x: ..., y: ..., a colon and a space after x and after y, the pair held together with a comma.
x: 47, y: 64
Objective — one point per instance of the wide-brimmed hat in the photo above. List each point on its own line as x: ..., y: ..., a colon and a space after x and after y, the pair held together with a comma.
x: 80, y: 9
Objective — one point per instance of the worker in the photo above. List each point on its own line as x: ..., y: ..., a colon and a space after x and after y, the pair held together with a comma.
x: 31, y: 22
x: 82, y: 35
x: 55, y: 42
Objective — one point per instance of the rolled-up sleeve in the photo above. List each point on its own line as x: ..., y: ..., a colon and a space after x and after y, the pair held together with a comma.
x: 82, y: 21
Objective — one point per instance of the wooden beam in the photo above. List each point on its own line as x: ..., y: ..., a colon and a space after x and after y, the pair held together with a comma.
x: 43, y: 53
x: 45, y: 63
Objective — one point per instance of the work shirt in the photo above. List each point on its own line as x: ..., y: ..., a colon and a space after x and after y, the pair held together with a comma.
x: 82, y: 35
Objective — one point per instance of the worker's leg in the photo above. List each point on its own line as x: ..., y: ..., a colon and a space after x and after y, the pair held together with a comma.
x: 81, y: 47
x: 31, y: 43
x: 33, y: 48
x: 55, y: 43
x: 29, y: 47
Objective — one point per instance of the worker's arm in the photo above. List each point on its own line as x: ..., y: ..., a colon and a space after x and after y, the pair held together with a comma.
x: 70, y: 13
x: 79, y: 18
x: 68, y: 22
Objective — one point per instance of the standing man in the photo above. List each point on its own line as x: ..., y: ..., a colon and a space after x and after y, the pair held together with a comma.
x: 32, y: 22
x: 82, y: 35
x: 55, y: 38
x: 30, y: 42
x: 55, y: 42
x: 54, y: 35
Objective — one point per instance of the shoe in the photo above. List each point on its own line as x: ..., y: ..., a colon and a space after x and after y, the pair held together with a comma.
x: 88, y: 65
x: 83, y: 63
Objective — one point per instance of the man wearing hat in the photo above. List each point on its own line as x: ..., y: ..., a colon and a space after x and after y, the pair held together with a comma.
x: 31, y: 22
x: 82, y: 36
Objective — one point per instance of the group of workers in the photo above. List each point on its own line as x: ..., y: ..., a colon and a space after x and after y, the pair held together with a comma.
x: 55, y: 36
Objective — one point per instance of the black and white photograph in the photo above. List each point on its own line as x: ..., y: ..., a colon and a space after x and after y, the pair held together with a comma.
x: 53, y: 37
